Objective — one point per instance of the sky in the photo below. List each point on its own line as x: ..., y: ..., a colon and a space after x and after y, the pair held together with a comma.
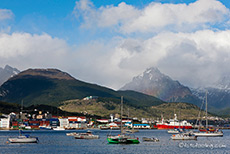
x: 109, y: 42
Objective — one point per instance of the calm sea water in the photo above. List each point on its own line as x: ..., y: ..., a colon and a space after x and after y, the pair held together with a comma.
x: 57, y: 142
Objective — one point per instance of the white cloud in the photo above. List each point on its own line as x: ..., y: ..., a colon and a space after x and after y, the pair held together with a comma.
x: 195, y: 59
x: 154, y: 17
x: 25, y: 50
x: 5, y: 14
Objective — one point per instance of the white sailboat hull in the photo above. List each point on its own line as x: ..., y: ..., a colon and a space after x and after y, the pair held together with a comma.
x: 23, y: 139
x: 209, y: 134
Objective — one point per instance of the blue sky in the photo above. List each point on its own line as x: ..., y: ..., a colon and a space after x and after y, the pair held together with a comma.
x: 109, y: 42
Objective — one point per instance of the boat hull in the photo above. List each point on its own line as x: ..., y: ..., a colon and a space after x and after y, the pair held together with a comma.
x: 23, y: 140
x: 86, y: 137
x: 122, y: 140
x: 205, y: 134
x: 173, y: 127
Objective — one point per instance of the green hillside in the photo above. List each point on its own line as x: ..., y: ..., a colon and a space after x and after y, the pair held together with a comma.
x: 52, y: 86
x: 104, y: 109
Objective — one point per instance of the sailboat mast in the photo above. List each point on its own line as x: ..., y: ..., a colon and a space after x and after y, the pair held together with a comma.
x: 121, y: 113
x: 206, y: 109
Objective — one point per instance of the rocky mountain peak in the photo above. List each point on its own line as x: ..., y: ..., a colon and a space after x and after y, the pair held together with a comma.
x: 155, y: 83
x: 7, y: 72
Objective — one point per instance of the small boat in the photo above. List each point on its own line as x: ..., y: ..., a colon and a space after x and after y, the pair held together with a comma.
x: 150, y: 139
x: 71, y: 134
x: 87, y: 135
x: 175, y: 131
x: 59, y: 128
x: 45, y: 127
x: 130, y: 130
x: 122, y: 139
x: 184, y: 136
x: 104, y: 127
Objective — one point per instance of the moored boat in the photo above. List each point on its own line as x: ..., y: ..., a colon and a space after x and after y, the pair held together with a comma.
x: 59, y: 128
x: 23, y: 139
x: 71, y: 134
x: 216, y: 133
x: 175, y: 131
x: 45, y: 128
x: 208, y: 131
x: 150, y: 139
x: 173, y: 124
x: 184, y: 136
x: 87, y: 135
x: 122, y: 139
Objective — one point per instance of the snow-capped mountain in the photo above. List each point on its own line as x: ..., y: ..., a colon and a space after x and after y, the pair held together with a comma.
x: 218, y: 94
x: 155, y: 83
x: 6, y: 73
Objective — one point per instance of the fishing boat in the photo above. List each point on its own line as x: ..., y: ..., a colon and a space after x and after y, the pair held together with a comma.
x: 150, y: 139
x: 208, y: 132
x: 122, y: 138
x: 87, y: 135
x: 184, y: 136
x: 173, y: 123
x: 23, y: 138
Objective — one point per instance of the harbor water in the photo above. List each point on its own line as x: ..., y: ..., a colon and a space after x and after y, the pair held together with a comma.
x: 57, y: 142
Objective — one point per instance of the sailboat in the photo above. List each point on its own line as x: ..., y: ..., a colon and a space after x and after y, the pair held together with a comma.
x: 122, y: 138
x: 23, y: 138
x: 207, y: 132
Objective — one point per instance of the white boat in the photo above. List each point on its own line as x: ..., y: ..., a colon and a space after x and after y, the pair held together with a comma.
x: 87, y: 135
x: 175, y: 131
x: 23, y: 139
x: 71, y: 134
x: 184, y: 136
x: 45, y: 127
x: 150, y: 139
x: 209, y: 134
x: 59, y: 128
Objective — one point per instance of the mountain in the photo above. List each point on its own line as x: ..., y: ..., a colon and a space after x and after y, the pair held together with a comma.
x: 218, y: 96
x: 6, y: 73
x: 52, y: 86
x: 153, y: 82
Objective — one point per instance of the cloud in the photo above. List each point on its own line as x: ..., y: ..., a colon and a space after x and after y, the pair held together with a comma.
x: 5, y: 14
x: 25, y: 50
x: 154, y: 17
x: 195, y: 59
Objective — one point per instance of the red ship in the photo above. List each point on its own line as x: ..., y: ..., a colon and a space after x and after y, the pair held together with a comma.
x: 173, y: 124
